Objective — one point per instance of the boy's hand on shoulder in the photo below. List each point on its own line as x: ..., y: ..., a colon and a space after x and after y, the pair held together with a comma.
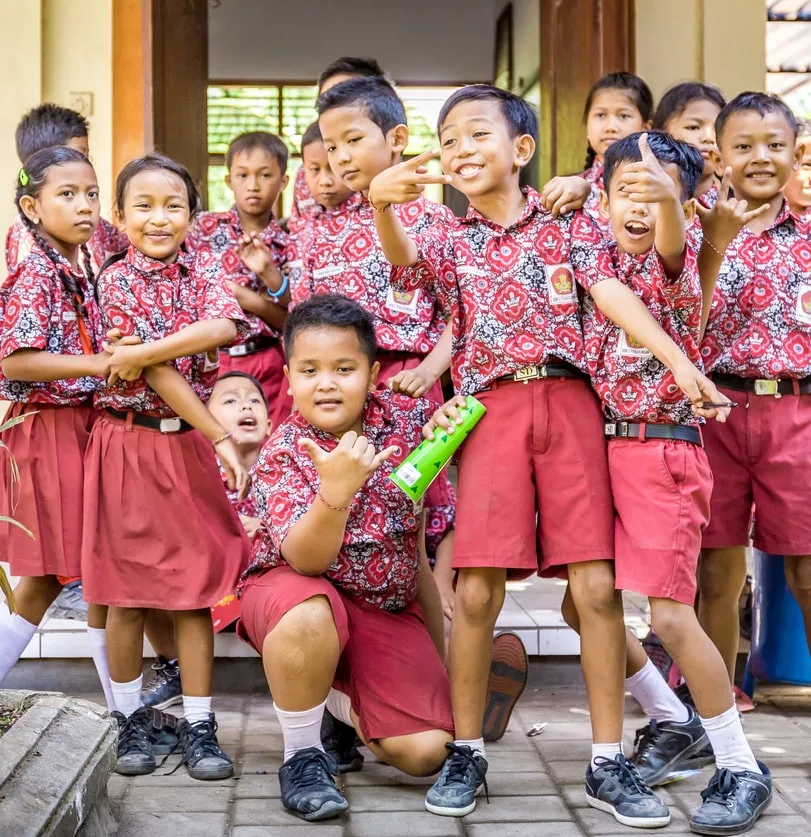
x: 446, y: 417
x: 646, y: 181
x: 404, y: 182
x: 724, y: 221
x: 565, y: 194
x: 344, y: 470
x: 255, y: 254
x: 413, y: 382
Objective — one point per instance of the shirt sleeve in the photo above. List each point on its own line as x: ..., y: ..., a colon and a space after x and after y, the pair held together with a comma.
x: 589, y: 253
x: 215, y: 300
x: 686, y: 285
x: 28, y: 310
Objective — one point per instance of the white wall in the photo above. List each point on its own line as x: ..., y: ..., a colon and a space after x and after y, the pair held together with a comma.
x: 415, y: 40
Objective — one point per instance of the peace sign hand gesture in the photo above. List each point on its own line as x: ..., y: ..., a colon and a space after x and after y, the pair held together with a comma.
x: 404, y: 182
x: 646, y: 181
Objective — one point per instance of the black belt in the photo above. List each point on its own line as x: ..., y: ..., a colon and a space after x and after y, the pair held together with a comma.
x: 251, y: 346
x: 547, y: 370
x: 763, y: 386
x: 165, y: 425
x: 637, y: 430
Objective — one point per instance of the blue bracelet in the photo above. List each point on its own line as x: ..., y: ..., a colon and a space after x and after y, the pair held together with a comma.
x: 277, y: 295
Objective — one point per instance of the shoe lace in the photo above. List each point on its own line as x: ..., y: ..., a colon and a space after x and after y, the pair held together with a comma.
x: 161, y: 676
x: 645, y: 739
x: 316, y: 767
x: 199, y: 740
x: 461, y: 760
x: 135, y: 732
x: 626, y: 773
x: 722, y: 788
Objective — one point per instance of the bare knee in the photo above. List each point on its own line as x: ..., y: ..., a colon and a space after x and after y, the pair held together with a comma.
x: 307, y: 627
x: 798, y: 576
x: 592, y: 588
x: 722, y: 573
x: 669, y: 620
x: 479, y: 595
x: 420, y: 754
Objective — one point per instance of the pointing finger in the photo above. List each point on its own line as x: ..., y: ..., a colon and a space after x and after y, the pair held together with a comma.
x: 726, y: 179
x: 421, y: 159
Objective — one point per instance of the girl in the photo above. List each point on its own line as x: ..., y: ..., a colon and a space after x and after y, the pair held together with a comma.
x: 52, y: 363
x: 159, y: 531
x: 618, y: 104
x: 688, y: 112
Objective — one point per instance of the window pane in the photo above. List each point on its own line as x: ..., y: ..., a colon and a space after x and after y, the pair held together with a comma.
x: 236, y: 110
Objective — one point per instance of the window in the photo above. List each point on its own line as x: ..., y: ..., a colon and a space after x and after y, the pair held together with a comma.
x: 287, y: 110
x: 788, y: 52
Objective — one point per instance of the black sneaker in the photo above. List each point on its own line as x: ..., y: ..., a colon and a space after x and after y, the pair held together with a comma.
x: 202, y: 754
x: 308, y: 789
x: 163, y: 731
x: 682, y: 692
x: 616, y: 787
x: 464, y: 773
x: 339, y: 740
x: 669, y: 751
x: 164, y: 688
x: 135, y: 754
x: 733, y: 802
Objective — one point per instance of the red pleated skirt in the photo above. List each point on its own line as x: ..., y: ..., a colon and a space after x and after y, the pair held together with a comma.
x: 49, y: 448
x: 159, y: 530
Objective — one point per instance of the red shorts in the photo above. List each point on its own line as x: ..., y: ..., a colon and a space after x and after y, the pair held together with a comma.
x: 49, y: 449
x: 389, y: 666
x: 539, y: 451
x: 762, y: 456
x: 267, y: 366
x: 661, y: 493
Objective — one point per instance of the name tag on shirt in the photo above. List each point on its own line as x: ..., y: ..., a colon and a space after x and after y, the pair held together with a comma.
x: 68, y: 316
x: 403, y: 302
x: 803, y: 310
x: 560, y: 284
x: 326, y: 272
x: 628, y: 347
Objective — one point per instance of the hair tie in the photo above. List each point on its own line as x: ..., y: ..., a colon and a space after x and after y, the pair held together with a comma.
x: 24, y: 179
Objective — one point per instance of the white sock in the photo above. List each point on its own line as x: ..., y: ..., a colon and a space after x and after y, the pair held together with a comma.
x: 15, y: 634
x: 127, y: 696
x: 301, y: 730
x: 729, y: 744
x: 340, y: 706
x: 97, y: 640
x: 606, y: 751
x: 196, y: 708
x: 658, y: 701
x: 475, y: 744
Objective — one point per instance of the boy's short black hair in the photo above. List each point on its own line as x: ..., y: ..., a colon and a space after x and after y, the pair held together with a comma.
x: 331, y: 311
x: 270, y: 143
x: 804, y: 127
x: 666, y: 149
x: 351, y: 66
x: 518, y: 113
x: 374, y: 96
x: 674, y: 101
x: 762, y: 103
x: 311, y: 135
x: 247, y: 377
x: 45, y: 126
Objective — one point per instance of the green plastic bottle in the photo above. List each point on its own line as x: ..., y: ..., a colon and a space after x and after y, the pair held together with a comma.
x: 422, y: 466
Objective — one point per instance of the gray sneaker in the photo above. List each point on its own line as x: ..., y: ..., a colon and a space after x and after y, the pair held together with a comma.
x: 307, y: 786
x: 733, y: 802
x: 667, y: 752
x: 136, y: 757
x: 463, y: 775
x: 617, y: 788
x: 164, y: 688
x: 69, y: 604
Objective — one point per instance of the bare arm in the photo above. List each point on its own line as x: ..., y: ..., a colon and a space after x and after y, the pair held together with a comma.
x: 429, y: 598
x: 39, y: 365
x: 315, y: 540
x: 262, y: 306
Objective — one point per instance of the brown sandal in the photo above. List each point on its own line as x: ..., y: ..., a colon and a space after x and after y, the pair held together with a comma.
x: 508, y: 678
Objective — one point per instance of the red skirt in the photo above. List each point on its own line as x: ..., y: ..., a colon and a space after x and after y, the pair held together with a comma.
x: 49, y: 449
x: 159, y: 530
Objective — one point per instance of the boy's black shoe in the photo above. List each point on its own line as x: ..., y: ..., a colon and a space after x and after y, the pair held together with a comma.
x: 733, y: 802
x: 339, y: 740
x: 202, y: 754
x: 616, y: 787
x: 164, y: 731
x: 509, y: 668
x: 308, y: 789
x: 668, y: 751
x: 164, y: 689
x: 135, y: 754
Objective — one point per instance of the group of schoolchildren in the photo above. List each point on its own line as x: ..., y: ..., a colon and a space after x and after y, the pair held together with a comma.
x: 207, y: 402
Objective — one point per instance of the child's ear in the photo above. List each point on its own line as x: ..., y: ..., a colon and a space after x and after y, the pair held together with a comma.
x: 524, y: 149
x: 286, y: 370
x: 373, y: 373
x: 604, y: 204
x: 228, y: 180
x: 285, y: 180
x: 28, y: 205
x: 646, y: 126
x: 799, y: 150
x: 118, y: 219
x: 715, y: 159
x: 398, y: 138
x: 689, y: 207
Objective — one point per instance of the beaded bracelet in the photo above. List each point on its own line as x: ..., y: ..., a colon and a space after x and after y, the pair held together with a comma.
x: 713, y: 247
x: 330, y: 506
x: 277, y: 295
x: 222, y: 438
x: 385, y: 208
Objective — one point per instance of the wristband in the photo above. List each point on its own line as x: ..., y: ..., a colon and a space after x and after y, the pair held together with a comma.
x: 222, y: 438
x: 330, y: 506
x: 376, y: 209
x: 277, y: 295
x: 713, y: 247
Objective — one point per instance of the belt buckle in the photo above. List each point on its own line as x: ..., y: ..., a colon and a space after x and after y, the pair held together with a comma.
x: 238, y: 351
x: 170, y: 425
x: 529, y: 373
x: 610, y: 428
x: 763, y: 386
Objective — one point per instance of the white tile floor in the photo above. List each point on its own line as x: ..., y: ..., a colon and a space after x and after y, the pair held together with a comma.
x: 531, y: 609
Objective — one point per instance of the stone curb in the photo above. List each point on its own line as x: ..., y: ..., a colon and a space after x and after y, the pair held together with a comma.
x: 54, y: 766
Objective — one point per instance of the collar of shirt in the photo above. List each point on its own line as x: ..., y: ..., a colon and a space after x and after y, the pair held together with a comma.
x: 376, y: 418
x: 143, y: 263
x: 533, y: 206
x: 62, y: 262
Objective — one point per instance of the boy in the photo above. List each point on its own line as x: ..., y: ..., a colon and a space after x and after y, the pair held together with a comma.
x: 758, y: 348
x: 331, y: 597
x: 660, y: 476
x: 42, y: 127
x: 250, y: 246
x: 505, y: 275
x: 798, y: 190
x: 340, y: 70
